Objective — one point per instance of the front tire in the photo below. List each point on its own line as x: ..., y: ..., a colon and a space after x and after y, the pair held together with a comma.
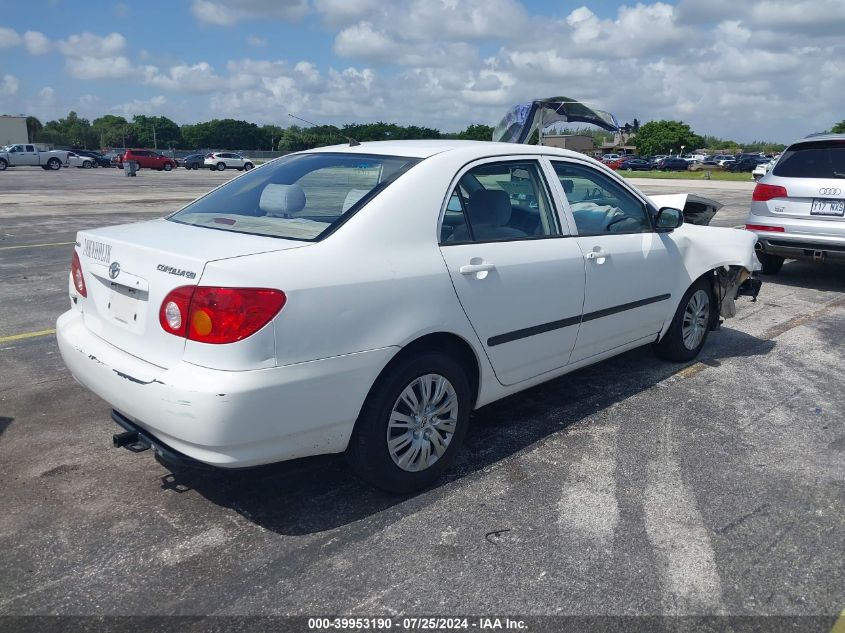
x: 87, y: 164
x: 771, y: 263
x: 3, y: 164
x: 248, y: 166
x: 412, y: 423
x: 168, y: 167
x: 690, y: 326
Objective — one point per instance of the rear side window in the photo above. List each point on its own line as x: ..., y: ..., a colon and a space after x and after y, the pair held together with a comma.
x: 300, y: 197
x: 819, y: 159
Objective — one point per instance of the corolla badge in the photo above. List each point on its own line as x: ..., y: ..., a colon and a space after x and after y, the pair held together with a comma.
x: 114, y: 270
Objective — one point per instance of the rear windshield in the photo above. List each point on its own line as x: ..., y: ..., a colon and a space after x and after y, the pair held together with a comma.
x: 819, y: 159
x: 299, y: 197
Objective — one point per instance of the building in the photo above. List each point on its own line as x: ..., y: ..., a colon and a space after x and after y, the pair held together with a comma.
x: 13, y: 130
x: 621, y: 144
x: 575, y: 142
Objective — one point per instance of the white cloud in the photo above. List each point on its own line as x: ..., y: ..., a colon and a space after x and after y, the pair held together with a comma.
x: 9, y: 86
x: 37, y: 43
x: 344, y: 12
x: 231, y: 12
x: 197, y: 78
x: 140, y: 106
x: 100, y: 67
x: 9, y: 37
x: 90, y: 45
x: 47, y: 97
x: 258, y: 42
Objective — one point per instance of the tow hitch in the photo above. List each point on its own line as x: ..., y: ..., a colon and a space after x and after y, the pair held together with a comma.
x: 750, y: 288
x: 130, y: 440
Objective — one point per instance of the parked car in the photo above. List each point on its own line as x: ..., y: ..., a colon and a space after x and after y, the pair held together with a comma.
x: 99, y: 159
x: 637, y: 164
x: 193, y: 161
x: 317, y: 306
x: 762, y: 169
x: 609, y: 158
x: 78, y: 160
x: 148, y: 159
x: 798, y: 208
x: 673, y: 163
x: 744, y: 164
x: 227, y: 160
x: 23, y: 155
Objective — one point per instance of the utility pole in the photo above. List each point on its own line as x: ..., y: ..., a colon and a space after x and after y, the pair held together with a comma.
x: 155, y: 142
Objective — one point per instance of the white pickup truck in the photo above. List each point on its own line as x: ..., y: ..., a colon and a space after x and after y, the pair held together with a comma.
x: 23, y: 155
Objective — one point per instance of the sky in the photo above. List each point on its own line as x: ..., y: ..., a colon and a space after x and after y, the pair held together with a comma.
x: 762, y: 70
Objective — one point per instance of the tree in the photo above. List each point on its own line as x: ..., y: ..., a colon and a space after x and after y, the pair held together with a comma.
x: 477, y: 132
x: 156, y: 131
x: 113, y: 131
x: 662, y: 137
x: 839, y: 128
x: 33, y: 127
x: 70, y: 131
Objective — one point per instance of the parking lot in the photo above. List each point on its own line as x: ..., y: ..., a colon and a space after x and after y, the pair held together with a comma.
x: 633, y: 487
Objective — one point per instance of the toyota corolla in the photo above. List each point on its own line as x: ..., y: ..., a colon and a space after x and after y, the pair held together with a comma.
x: 366, y: 299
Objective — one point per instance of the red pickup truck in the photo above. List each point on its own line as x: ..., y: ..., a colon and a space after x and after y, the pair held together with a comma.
x: 147, y: 159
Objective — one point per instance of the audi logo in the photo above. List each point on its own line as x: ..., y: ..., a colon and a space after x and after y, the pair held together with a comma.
x: 829, y: 191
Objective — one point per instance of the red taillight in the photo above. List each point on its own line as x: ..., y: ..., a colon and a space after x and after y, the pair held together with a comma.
x: 763, y: 227
x: 76, y: 274
x: 219, y: 315
x: 762, y: 192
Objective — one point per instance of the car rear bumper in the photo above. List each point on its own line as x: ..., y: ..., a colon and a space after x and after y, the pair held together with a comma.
x: 230, y: 419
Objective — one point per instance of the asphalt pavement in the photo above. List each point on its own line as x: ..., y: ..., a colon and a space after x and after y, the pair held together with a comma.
x: 633, y: 487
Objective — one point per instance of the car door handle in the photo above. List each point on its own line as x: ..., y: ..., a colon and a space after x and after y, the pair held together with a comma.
x: 471, y: 269
x: 597, y: 254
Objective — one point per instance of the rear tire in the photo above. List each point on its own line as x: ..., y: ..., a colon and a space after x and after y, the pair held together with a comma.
x: 435, y: 380
x: 771, y: 263
x: 221, y: 166
x: 54, y: 163
x: 3, y: 164
x: 690, y: 326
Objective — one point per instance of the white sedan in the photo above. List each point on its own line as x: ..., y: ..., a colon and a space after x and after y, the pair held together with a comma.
x: 227, y: 160
x: 365, y: 299
x: 77, y: 160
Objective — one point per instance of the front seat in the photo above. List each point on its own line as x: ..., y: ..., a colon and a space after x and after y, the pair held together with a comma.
x: 489, y: 211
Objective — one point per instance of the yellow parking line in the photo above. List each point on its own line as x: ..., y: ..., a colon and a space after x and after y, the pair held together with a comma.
x: 20, y: 337
x: 839, y: 625
x: 9, y: 248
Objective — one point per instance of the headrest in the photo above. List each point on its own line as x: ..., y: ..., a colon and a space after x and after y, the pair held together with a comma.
x: 489, y: 206
x: 282, y: 201
x: 352, y: 197
x: 568, y: 185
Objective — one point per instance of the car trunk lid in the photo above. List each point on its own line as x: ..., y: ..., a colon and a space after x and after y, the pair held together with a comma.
x: 130, y: 269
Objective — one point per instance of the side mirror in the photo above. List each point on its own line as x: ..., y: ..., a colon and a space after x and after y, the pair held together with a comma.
x: 668, y: 219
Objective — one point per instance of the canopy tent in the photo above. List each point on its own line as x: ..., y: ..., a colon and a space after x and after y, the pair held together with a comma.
x: 519, y: 123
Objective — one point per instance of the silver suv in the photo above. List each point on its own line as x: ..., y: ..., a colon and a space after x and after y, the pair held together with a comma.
x: 798, y: 208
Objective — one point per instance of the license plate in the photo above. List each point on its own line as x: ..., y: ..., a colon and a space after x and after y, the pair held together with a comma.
x: 123, y: 307
x: 825, y: 206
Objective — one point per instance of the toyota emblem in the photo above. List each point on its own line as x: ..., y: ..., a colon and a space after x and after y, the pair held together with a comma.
x: 829, y: 191
x: 114, y: 270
